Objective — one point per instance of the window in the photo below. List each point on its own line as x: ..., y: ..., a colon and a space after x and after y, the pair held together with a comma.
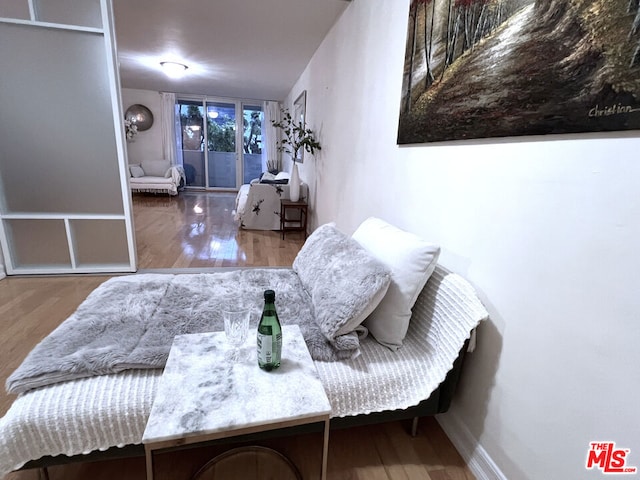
x: 216, y: 124
x: 252, y: 117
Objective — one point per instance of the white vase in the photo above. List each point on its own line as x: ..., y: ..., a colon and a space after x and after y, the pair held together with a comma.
x: 294, y: 184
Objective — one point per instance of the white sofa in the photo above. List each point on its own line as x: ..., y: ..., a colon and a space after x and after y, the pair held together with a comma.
x: 156, y: 176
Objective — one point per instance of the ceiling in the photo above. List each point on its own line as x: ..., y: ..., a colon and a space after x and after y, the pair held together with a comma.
x: 251, y: 49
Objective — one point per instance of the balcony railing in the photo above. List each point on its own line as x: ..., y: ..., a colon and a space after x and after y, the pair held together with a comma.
x: 222, y: 168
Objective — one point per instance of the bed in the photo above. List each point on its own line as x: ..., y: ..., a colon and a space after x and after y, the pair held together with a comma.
x: 257, y: 204
x: 94, y: 415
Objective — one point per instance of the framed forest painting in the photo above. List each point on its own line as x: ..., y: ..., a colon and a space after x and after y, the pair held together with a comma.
x: 500, y: 68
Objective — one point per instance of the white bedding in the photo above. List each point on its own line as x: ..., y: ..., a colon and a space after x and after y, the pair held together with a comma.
x: 96, y: 413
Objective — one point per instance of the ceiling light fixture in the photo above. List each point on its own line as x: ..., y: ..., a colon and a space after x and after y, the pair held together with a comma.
x: 174, y: 69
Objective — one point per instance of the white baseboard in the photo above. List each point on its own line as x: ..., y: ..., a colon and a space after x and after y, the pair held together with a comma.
x: 476, y: 457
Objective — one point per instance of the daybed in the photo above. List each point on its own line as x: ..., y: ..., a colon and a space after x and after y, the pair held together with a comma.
x: 91, y: 413
x: 258, y: 202
x: 156, y: 176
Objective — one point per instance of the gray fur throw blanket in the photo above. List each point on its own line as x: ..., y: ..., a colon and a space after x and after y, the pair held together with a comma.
x: 130, y: 322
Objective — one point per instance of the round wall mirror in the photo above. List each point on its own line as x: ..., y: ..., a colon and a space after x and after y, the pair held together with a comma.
x: 139, y: 115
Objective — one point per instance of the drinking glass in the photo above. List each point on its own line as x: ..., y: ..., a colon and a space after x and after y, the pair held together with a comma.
x: 236, y: 328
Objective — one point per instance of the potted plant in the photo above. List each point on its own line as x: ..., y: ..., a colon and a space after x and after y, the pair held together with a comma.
x: 296, y: 139
x: 131, y: 130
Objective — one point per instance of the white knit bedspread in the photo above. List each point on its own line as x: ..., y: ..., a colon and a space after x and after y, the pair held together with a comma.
x: 443, y: 318
x: 97, y: 413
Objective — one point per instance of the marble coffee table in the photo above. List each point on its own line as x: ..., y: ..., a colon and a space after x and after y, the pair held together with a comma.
x: 204, y: 396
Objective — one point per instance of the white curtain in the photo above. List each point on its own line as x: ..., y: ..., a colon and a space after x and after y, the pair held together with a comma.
x: 168, y: 119
x: 271, y: 135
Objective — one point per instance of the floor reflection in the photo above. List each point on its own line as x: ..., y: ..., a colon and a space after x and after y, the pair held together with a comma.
x: 196, y: 229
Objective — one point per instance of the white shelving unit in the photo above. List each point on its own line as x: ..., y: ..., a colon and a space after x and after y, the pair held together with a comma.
x: 65, y: 205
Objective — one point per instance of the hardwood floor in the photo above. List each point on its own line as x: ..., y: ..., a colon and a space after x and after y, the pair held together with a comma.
x: 196, y: 230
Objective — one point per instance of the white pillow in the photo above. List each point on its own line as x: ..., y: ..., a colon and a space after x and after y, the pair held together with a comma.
x: 411, y: 261
x: 267, y: 177
x: 136, y: 170
x: 155, y: 168
x: 282, y: 176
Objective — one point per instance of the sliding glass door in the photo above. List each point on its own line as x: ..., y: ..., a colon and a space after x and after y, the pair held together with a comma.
x: 252, y: 118
x: 190, y: 140
x: 220, y: 142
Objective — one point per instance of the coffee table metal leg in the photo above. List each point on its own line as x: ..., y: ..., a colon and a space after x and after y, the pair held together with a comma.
x: 149, y: 461
x: 325, y: 451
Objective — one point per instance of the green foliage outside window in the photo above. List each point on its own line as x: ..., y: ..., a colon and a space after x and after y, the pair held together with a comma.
x: 191, y: 124
x: 221, y: 133
x: 252, y: 131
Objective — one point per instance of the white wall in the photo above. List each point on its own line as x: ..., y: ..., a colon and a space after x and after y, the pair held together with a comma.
x: 546, y: 228
x: 147, y: 145
x: 3, y: 272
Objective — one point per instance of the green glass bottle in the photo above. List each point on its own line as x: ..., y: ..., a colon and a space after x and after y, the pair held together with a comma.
x: 269, y: 334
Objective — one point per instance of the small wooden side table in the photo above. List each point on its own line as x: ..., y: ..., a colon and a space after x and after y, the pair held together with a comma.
x: 296, y: 224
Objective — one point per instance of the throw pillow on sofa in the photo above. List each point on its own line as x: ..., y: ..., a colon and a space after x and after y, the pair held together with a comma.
x: 411, y: 260
x: 344, y: 281
x: 281, y: 178
x: 136, y: 171
x: 155, y: 168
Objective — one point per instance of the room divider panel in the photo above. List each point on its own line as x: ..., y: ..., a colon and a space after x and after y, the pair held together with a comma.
x: 65, y: 205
